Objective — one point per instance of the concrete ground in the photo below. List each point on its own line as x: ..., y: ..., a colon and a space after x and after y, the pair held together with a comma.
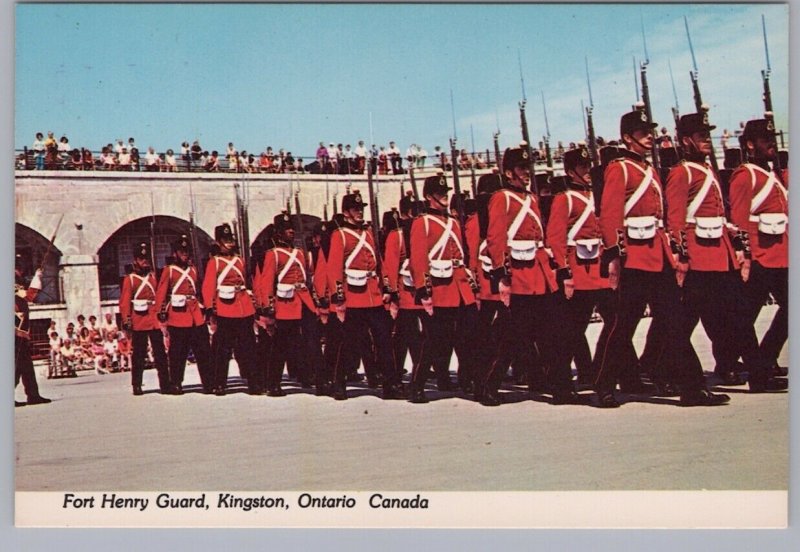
x: 95, y: 436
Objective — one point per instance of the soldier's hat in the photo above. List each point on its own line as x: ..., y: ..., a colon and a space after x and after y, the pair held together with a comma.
x: 693, y: 122
x: 454, y: 200
x: 470, y: 206
x: 353, y: 201
x: 436, y: 184
x: 224, y: 232
x: 182, y: 244
x: 282, y: 222
x: 391, y: 219
x: 575, y: 157
x: 635, y: 120
x: 407, y: 202
x: 758, y: 128
x: 320, y: 228
x: 489, y: 183
x: 141, y: 251
x: 516, y: 157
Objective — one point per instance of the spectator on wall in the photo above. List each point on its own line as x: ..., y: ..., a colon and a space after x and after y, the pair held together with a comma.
x: 151, y: 160
x: 38, y: 151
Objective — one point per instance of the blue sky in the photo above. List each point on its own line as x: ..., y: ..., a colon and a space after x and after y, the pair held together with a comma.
x: 293, y: 75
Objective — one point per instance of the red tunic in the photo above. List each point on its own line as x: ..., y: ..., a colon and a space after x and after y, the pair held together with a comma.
x: 278, y: 270
x: 685, y: 182
x: 344, y: 242
x: 427, y: 235
x: 393, y: 261
x: 527, y: 278
x: 139, y: 288
x: 241, y: 306
x: 570, y: 209
x: 622, y: 180
x: 181, y: 317
x: 477, y: 248
x: 748, y: 182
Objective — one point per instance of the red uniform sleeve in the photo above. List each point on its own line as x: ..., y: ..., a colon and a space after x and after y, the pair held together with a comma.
x: 497, y: 231
x: 741, y: 197
x: 391, y: 263
x: 418, y: 262
x: 163, y: 288
x: 677, y: 200
x: 125, y: 299
x: 336, y: 261
x: 557, y: 228
x: 210, y: 283
x: 612, y: 206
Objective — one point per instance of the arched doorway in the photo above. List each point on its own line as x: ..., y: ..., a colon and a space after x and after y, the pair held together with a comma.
x: 115, y: 256
x: 36, y: 252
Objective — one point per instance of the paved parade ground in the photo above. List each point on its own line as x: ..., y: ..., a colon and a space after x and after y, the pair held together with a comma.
x: 96, y: 435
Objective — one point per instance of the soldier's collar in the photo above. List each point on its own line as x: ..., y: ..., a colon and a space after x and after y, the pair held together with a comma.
x: 628, y: 154
x: 572, y: 185
x: 354, y: 225
x: 431, y: 211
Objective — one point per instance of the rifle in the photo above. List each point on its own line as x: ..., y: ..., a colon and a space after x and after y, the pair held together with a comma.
x: 298, y: 231
x: 193, y: 234
x: 242, y: 231
x: 375, y: 223
x: 698, y: 100
x: 327, y: 199
x: 153, y: 234
x: 675, y: 110
x: 523, y: 120
x: 546, y: 138
x: 50, y: 243
x: 646, y: 99
x: 472, y: 165
x: 456, y: 184
x: 413, y: 184
x: 591, y: 138
x: 765, y: 74
x: 496, y: 140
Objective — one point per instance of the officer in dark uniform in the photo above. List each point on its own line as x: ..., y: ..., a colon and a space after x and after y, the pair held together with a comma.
x: 180, y: 307
x: 23, y: 364
x: 137, y: 307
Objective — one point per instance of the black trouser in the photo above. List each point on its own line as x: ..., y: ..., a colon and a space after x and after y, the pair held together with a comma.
x: 297, y: 344
x: 406, y: 338
x: 710, y: 297
x: 265, y: 344
x: 638, y: 288
x: 760, y: 358
x: 492, y: 324
x: 449, y: 329
x: 576, y: 313
x: 236, y: 335
x: 23, y: 367
x: 139, y: 342
x: 359, y: 321
x: 533, y: 325
x: 397, y: 163
x: 181, y: 340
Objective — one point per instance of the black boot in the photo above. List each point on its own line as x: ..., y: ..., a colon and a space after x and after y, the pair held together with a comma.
x: 417, y: 396
x: 339, y: 392
x: 703, y: 397
x: 490, y: 397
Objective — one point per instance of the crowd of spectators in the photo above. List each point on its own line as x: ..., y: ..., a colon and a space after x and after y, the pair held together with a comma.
x: 47, y: 154
x: 99, y: 347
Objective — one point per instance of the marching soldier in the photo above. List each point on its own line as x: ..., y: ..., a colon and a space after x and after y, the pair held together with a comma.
x: 230, y: 304
x: 522, y: 274
x: 442, y: 285
x: 573, y: 234
x: 707, y: 263
x: 283, y: 288
x: 23, y: 364
x: 357, y: 295
x: 406, y: 337
x: 179, y: 305
x: 641, y: 266
x: 137, y: 307
x: 492, y: 314
x: 760, y: 209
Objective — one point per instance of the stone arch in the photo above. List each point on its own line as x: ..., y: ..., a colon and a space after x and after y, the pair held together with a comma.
x: 115, y: 255
x: 36, y: 251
